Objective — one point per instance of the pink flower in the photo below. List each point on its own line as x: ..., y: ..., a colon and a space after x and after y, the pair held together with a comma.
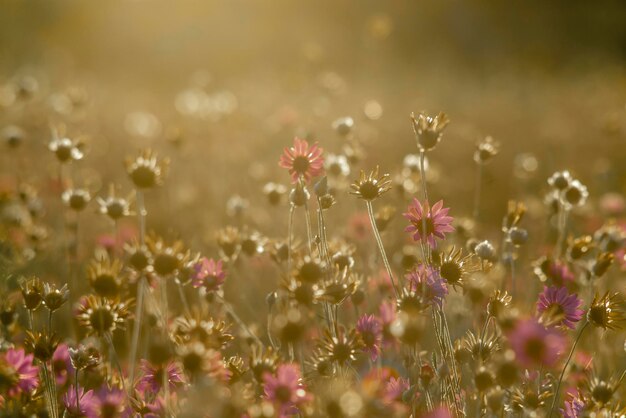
x: 85, y: 408
x: 426, y: 281
x: 559, y: 304
x: 439, y: 412
x: 394, y: 389
x: 388, y: 315
x: 302, y: 161
x: 209, y: 274
x: 152, y: 379
x: 573, y: 408
x: 437, y: 221
x: 285, y: 389
x: 536, y: 345
x: 62, y: 364
x: 111, y: 402
x: 370, y: 329
x: 24, y: 374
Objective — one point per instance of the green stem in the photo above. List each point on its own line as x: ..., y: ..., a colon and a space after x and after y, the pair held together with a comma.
x: 381, y: 247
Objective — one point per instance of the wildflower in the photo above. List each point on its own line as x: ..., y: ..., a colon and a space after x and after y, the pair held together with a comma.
x: 54, y: 298
x: 338, y: 288
x: 498, y: 302
x: 601, y: 391
x: 560, y: 180
x: 302, y: 161
x: 112, y: 206
x: 229, y: 242
x: 17, y: 372
x: 485, y: 251
x: 147, y: 170
x: 536, y: 345
x: 104, y: 277
x: 573, y: 408
x: 139, y: 256
x: 372, y: 186
x: 275, y: 193
x: 167, y: 258
x: 337, y: 166
x: 481, y: 348
x: 343, y: 125
x: 41, y: 344
x: 428, y: 129
x: 285, y: 389
x: 387, y: 314
x: 394, y: 389
x: 66, y: 149
x: 32, y: 292
x: 208, y: 274
x: 426, y: 284
x: 62, y: 364
x: 558, y: 307
x: 83, y: 406
x: 575, y: 195
x: 605, y: 312
x: 369, y: 328
x: 486, y: 150
x: 76, y: 199
x: 152, y: 378
x: 454, y: 268
x: 198, y: 326
x: 437, y: 221
x: 110, y: 402
x: 556, y: 271
x: 342, y: 348
x: 84, y: 357
x: 263, y: 361
x: 101, y: 316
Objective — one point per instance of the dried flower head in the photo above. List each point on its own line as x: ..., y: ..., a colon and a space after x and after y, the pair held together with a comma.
x: 454, y: 267
x: 560, y: 180
x: 41, y: 344
x: 428, y: 129
x: 76, y: 199
x: 113, y: 206
x: 167, y: 258
x: 101, y: 317
x: 302, y: 161
x: 104, y: 277
x: 336, y: 289
x: 66, y: 149
x: 53, y: 297
x: 575, y: 195
x: 84, y: 357
x: 606, y: 312
x: 32, y: 292
x: 371, y: 186
x: 147, y: 170
x: 342, y: 348
x: 198, y: 326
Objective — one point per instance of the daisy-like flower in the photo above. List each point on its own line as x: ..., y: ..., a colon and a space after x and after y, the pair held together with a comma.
x: 574, y: 195
x: 454, y: 267
x: 17, y: 372
x: 371, y: 186
x: 437, y: 221
x: 557, y: 272
x: 76, y: 199
x: 83, y: 406
x: 100, y: 316
x: 427, y: 283
x: 394, y: 389
x: 285, y: 389
x: 370, y: 330
x: 208, y: 274
x: 605, y: 311
x: 536, y: 345
x: 388, y: 315
x: 152, y: 379
x: 66, y: 149
x: 560, y: 180
x: 302, y: 161
x: 104, y: 276
x: 147, y: 170
x: 113, y: 206
x: 111, y: 403
x: 559, y: 307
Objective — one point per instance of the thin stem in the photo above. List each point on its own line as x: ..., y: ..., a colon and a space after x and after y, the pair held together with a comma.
x: 309, y: 232
x: 381, y: 247
x: 238, y: 320
x: 569, y: 357
x: 425, y: 246
x: 141, y: 214
x: 290, y: 237
x: 479, y: 176
x: 137, y: 327
x: 183, y: 298
x: 116, y: 360
x: 562, y: 226
x: 76, y: 390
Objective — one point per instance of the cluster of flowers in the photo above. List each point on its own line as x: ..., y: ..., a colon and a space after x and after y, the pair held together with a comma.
x: 155, y: 331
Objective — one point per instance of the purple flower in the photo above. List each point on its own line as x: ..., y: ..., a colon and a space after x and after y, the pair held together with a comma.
x: 436, y: 219
x: 208, y: 274
x: 573, y: 408
x: 152, y: 379
x: 24, y: 375
x: 285, y: 389
x: 426, y: 281
x: 439, y: 412
x: 394, y: 389
x: 388, y: 315
x: 111, y: 402
x: 536, y: 345
x: 560, y: 305
x: 371, y: 331
x: 85, y: 408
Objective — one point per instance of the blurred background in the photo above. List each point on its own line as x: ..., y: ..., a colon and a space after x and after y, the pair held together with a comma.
x: 222, y: 86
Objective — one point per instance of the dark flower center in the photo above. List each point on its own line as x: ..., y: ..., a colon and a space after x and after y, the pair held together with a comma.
x: 105, y: 285
x: 430, y: 226
x: 535, y: 349
x: 165, y: 264
x: 451, y: 272
x: 342, y: 352
x: 369, y: 190
x: 101, y: 320
x: 283, y: 394
x: 301, y: 164
x: 144, y: 177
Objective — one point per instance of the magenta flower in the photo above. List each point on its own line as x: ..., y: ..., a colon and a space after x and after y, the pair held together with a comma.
x: 302, y: 161
x: 426, y: 281
x: 371, y: 331
x: 560, y: 305
x: 536, y: 345
x: 85, y: 408
x: 285, y: 389
x: 24, y: 375
x: 439, y: 412
x: 209, y: 274
x: 62, y: 364
x: 437, y: 221
x: 152, y: 378
x: 111, y: 402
